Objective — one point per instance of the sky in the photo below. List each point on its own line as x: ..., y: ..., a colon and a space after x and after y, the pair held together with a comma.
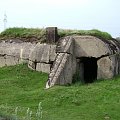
x: 66, y: 14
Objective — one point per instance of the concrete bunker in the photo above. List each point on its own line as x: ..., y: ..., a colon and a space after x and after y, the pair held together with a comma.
x: 88, y: 69
x: 94, y: 58
x: 91, y: 57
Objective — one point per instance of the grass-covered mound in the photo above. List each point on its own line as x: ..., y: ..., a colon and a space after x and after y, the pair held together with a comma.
x: 32, y: 34
x: 24, y: 34
x: 23, y: 88
x: 93, y: 32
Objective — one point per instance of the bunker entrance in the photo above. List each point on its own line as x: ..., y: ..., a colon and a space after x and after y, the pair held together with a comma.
x: 88, y: 69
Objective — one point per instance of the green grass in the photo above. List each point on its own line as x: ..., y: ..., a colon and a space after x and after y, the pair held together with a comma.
x: 24, y: 88
x: 20, y: 87
x: 35, y: 34
x: 93, y: 32
x: 25, y: 34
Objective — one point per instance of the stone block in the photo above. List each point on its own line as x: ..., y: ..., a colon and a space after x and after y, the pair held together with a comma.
x: 15, y: 49
x: 52, y: 54
x: 15, y: 53
x: 10, y: 60
x: 24, y: 54
x: 105, y: 68
x: 2, y: 61
x: 26, y: 50
x: 45, y: 54
x: 42, y: 53
x: 2, y: 50
x: 43, y: 67
x: 37, y: 52
x: 51, y: 34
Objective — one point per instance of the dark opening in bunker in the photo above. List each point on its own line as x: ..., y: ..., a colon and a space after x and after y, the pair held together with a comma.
x: 89, y: 69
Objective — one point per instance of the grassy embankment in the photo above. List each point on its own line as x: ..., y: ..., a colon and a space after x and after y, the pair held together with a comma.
x: 21, y: 87
x: 35, y: 34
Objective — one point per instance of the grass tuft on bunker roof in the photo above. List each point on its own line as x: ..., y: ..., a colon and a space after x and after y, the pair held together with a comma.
x: 37, y: 34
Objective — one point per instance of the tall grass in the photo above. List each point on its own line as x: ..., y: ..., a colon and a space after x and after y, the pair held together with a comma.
x: 25, y: 34
x: 15, y: 113
x: 36, y: 34
x: 93, y: 32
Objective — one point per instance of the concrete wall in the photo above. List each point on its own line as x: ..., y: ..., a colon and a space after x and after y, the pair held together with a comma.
x: 105, y: 51
x: 71, y: 50
x: 64, y: 65
x: 108, y: 67
x: 38, y: 56
x: 41, y: 57
x: 14, y: 53
x: 89, y: 46
x: 62, y: 61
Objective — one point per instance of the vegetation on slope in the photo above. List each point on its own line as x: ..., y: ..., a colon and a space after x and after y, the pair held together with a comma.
x: 32, y: 34
x: 24, y: 34
x: 23, y: 88
x: 20, y: 87
x: 93, y: 32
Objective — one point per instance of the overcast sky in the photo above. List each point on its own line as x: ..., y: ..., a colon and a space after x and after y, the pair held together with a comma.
x: 69, y: 14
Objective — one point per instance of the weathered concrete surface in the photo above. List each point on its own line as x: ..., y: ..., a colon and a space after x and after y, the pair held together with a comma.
x: 42, y: 57
x: 67, y: 72
x: 105, y: 68
x: 14, y: 53
x: 51, y: 34
x: 72, y: 49
x: 37, y: 52
x: 43, y: 67
x: 108, y: 67
x: 65, y: 45
x: 56, y: 75
x: 2, y: 61
x: 43, y: 53
x: 16, y: 49
x: 87, y: 46
x: 63, y: 69
x: 52, y: 53
x: 10, y: 60
x: 62, y: 61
